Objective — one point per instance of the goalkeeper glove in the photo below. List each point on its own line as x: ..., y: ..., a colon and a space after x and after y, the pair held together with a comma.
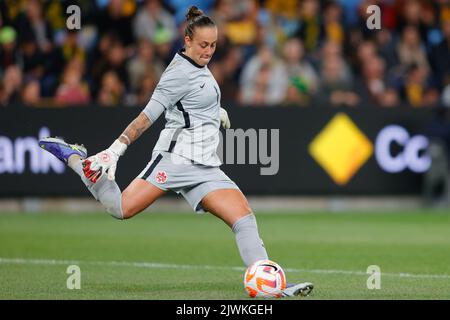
x: 224, y: 120
x: 105, y: 161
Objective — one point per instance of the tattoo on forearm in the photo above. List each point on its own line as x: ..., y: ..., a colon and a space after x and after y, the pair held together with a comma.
x: 135, y: 129
x: 126, y: 138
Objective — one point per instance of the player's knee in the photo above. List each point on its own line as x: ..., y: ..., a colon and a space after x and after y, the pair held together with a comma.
x: 128, y: 209
x: 245, y: 208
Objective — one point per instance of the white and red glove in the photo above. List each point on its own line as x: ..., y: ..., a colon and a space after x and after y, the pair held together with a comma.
x: 224, y: 120
x: 105, y: 161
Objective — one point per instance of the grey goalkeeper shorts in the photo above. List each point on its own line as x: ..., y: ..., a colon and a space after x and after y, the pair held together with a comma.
x: 169, y: 171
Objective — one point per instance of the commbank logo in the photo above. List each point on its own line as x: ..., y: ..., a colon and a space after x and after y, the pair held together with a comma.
x: 341, y: 149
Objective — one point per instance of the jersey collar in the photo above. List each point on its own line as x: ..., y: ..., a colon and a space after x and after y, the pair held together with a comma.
x: 195, y: 64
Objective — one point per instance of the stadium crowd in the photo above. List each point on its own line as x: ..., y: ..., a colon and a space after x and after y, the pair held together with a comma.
x: 269, y: 52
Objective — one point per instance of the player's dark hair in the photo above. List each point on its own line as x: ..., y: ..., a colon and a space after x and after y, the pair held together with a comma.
x: 196, y: 18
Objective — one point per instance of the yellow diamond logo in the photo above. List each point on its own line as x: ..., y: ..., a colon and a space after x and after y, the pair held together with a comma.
x: 341, y: 149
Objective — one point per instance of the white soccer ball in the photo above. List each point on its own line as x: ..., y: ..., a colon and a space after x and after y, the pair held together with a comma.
x: 265, y: 279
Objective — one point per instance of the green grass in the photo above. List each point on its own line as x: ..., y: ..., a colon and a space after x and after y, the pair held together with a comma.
x: 201, y: 252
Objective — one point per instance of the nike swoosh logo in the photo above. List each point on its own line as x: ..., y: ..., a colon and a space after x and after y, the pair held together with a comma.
x: 202, y: 86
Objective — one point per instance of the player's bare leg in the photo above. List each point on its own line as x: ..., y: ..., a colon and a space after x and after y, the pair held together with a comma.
x: 227, y: 204
x: 139, y: 195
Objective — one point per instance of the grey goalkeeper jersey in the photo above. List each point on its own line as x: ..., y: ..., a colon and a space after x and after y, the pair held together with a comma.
x: 189, y: 96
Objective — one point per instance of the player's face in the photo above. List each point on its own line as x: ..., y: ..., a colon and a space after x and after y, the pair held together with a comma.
x: 201, y: 48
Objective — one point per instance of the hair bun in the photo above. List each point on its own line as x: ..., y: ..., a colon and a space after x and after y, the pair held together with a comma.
x: 193, y: 13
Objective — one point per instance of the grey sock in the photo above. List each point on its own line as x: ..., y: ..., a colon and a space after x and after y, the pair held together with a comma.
x: 250, y: 245
x: 75, y: 164
x: 104, y: 190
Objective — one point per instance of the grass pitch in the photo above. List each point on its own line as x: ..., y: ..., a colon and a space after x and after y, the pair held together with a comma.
x: 189, y: 256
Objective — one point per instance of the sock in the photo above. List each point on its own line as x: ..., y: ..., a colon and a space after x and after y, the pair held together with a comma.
x: 104, y: 190
x: 75, y: 163
x: 250, y: 245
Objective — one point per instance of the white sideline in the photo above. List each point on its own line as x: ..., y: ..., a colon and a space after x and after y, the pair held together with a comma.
x: 157, y: 265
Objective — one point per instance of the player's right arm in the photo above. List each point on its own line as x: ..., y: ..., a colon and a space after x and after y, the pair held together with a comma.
x: 135, y: 129
x: 170, y: 89
x: 106, y: 161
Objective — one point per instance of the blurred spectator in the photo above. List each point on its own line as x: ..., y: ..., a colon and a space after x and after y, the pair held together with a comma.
x: 116, y: 60
x: 336, y: 85
x: 373, y: 86
x: 9, y: 10
x: 432, y: 24
x: 143, y: 63
x: 221, y: 12
x: 365, y: 51
x: 32, y: 59
x: 9, y: 54
x: 410, y: 15
x: 441, y: 53
x: 99, y: 56
x: 303, y: 79
x: 145, y: 89
x: 264, y: 79
x: 111, y: 91
x: 117, y: 18
x: 226, y: 72
x: 163, y: 48
x: 282, y: 8
x: 410, y: 49
x: 152, y: 21
x: 70, y: 47
x: 55, y: 13
x: 242, y: 25
x: 283, y: 15
x: 32, y: 25
x: 72, y: 90
x: 352, y: 41
x: 310, y: 30
x: 218, y: 73
x: 41, y: 59
x: 31, y: 93
x: 12, y: 82
x: 113, y: 59
x: 385, y: 46
x: 332, y: 24
x: 417, y: 90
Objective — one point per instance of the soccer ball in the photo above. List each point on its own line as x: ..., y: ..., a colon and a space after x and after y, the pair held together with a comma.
x: 265, y: 279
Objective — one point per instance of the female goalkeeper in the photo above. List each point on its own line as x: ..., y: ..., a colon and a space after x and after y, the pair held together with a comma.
x: 184, y: 159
